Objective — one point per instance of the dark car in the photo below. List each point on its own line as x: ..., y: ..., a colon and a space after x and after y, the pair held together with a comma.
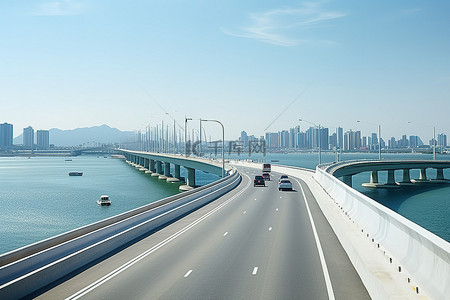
x: 259, y: 180
x: 266, y: 176
x: 283, y: 177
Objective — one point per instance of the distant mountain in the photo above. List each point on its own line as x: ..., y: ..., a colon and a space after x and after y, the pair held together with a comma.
x: 98, y: 134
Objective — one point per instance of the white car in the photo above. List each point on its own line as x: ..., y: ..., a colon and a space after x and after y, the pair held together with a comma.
x: 285, y: 184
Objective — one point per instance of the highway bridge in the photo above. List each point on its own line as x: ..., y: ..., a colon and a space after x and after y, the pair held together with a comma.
x: 231, y: 240
x: 347, y: 169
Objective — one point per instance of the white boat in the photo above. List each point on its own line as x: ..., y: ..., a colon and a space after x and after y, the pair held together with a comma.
x: 104, y: 200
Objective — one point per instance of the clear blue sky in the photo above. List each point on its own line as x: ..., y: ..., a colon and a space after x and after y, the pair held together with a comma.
x: 77, y: 63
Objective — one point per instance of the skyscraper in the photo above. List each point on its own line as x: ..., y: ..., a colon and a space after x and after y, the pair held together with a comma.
x: 43, y: 139
x: 6, y: 136
x: 244, y: 139
x: 28, y: 137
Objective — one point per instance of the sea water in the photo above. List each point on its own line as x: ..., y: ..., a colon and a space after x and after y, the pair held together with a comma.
x: 39, y: 200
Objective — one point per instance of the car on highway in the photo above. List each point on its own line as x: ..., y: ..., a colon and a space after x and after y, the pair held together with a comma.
x: 259, y: 180
x: 285, y: 184
x: 267, y: 167
x: 266, y: 176
x: 284, y: 176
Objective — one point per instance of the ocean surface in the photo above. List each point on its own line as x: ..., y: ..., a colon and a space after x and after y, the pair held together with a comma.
x: 39, y: 200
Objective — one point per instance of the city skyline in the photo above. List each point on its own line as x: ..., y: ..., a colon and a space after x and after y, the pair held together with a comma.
x: 329, y: 139
x: 256, y: 65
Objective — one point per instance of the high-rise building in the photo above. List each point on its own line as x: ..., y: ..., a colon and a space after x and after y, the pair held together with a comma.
x: 28, y: 137
x: 442, y: 140
x: 244, y: 139
x: 340, y: 137
x: 6, y: 136
x: 352, y: 140
x: 374, y: 143
x: 43, y: 139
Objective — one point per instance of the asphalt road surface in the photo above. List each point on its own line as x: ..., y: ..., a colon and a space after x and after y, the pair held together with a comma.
x: 253, y: 243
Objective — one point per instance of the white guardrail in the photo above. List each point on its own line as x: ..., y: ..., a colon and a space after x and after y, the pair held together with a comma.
x: 425, y: 256
x: 33, y: 267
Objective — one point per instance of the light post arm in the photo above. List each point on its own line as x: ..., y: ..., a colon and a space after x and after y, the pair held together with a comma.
x: 223, y: 143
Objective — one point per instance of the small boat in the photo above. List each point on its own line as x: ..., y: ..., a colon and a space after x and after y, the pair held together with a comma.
x: 104, y: 200
x: 68, y: 159
x: 75, y: 173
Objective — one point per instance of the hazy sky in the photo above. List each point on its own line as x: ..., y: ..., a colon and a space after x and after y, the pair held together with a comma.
x: 78, y: 63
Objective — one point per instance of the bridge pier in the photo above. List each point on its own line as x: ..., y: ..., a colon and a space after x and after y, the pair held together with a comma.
x: 177, y: 176
x: 152, y: 166
x: 406, y: 179
x: 166, y: 172
x: 391, y: 178
x: 422, y: 176
x: 374, y: 177
x: 158, y: 169
x: 440, y: 174
x: 190, y: 182
x: 177, y: 171
x: 373, y: 180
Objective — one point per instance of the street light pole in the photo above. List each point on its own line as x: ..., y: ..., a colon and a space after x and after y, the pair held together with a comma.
x: 185, y: 134
x: 223, y: 143
x: 434, y: 142
x: 379, y: 141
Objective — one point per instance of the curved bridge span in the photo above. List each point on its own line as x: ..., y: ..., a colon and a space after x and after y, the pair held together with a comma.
x: 349, y: 168
x: 420, y: 256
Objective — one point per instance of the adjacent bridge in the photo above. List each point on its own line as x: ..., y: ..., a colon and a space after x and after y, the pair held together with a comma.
x: 159, y: 165
x: 347, y: 169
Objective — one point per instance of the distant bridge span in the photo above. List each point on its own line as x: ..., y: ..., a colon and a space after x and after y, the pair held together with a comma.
x: 349, y: 168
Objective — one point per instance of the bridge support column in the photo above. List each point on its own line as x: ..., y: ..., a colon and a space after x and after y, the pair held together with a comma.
x: 190, y: 182
x: 374, y: 177
x: 166, y: 171
x: 423, y: 174
x: 406, y: 179
x: 391, y: 177
x: 440, y: 174
x: 176, y: 177
x: 177, y: 171
x: 373, y: 180
x: 158, y: 169
x: 152, y: 166
x: 146, y: 163
x: 347, y: 179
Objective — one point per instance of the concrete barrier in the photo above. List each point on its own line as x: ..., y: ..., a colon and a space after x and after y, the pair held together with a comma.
x: 30, y: 273
x: 420, y: 253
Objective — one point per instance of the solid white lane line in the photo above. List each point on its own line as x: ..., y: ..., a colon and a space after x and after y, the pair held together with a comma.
x: 255, y: 270
x: 225, y: 233
x: 141, y: 256
x: 188, y: 273
x: 326, y: 274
